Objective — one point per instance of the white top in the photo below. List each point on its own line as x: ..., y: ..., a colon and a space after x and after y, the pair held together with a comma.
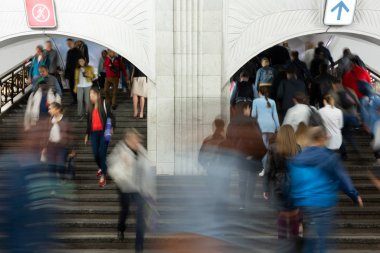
x: 333, y: 121
x: 55, y: 132
x: 297, y: 114
x: 83, y: 83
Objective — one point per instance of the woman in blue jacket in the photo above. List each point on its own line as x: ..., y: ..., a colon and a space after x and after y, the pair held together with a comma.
x: 264, y: 110
x: 39, y: 59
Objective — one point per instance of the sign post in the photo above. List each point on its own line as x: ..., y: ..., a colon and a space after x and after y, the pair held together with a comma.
x: 339, y: 12
x: 40, y: 13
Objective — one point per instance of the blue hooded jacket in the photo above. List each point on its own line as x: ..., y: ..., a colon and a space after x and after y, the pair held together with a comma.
x: 316, y: 176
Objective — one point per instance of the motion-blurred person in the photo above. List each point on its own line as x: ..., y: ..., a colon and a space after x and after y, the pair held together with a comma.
x: 245, y: 139
x: 99, y: 115
x: 348, y: 102
x: 308, y: 55
x: 37, y: 107
x: 84, y: 74
x: 353, y: 77
x: 345, y: 62
x: 58, y: 142
x: 264, y: 110
x: 139, y: 92
x: 211, y: 158
x: 49, y: 79
x: 333, y: 122
x: 321, y: 86
x: 288, y: 89
x: 135, y: 179
x: 54, y: 61
x: 114, y: 66
x: 102, y: 69
x: 319, y: 58
x: 316, y: 175
x: 277, y: 182
x: 265, y: 75
x: 299, y: 113
x: 38, y: 60
x: 27, y: 207
x: 84, y: 49
x: 243, y: 90
x: 299, y: 66
x: 326, y: 52
x: 72, y: 57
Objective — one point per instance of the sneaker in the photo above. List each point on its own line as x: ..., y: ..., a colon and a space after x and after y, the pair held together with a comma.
x: 262, y: 173
x: 102, y: 181
x: 99, y: 173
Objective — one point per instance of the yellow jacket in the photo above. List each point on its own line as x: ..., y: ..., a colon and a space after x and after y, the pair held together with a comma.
x: 90, y: 75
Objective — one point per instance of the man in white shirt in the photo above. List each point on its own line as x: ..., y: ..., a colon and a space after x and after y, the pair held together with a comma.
x: 300, y: 112
x: 333, y: 121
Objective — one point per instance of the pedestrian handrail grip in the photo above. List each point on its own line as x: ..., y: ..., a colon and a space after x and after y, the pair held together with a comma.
x: 13, y: 84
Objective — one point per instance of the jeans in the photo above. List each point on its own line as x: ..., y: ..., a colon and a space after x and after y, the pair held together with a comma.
x: 317, y: 227
x: 350, y: 121
x: 114, y: 83
x: 83, y: 93
x: 266, y: 138
x: 99, y: 149
x: 125, y: 201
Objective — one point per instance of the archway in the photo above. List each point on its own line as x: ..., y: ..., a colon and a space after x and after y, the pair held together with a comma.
x: 127, y: 27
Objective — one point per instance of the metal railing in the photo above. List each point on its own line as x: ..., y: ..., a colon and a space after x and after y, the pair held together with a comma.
x: 13, y: 84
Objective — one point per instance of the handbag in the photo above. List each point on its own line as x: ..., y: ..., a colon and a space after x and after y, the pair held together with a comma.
x: 108, y: 128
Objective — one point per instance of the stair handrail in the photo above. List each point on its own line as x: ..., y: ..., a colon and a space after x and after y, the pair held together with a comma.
x: 14, y: 85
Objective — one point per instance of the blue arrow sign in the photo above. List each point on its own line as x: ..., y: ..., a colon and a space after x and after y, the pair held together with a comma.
x: 340, y: 6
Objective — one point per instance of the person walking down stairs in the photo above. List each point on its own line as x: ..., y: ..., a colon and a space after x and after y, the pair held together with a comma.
x: 100, y: 127
x: 135, y: 179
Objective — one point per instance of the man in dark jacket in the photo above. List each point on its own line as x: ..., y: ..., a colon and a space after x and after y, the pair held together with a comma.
x: 321, y: 85
x: 72, y: 58
x: 247, y: 148
x: 288, y: 88
x: 321, y: 48
x: 316, y: 176
x: 299, y: 66
x: 243, y: 91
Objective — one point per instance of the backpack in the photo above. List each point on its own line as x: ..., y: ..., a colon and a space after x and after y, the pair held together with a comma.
x: 315, y: 118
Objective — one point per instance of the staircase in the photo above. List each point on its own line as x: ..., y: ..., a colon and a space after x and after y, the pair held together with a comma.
x: 89, y: 223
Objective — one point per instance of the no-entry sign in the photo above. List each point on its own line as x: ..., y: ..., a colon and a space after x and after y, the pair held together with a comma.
x: 40, y: 13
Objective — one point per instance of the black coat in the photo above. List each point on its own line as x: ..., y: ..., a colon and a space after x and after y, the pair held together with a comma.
x: 72, y: 58
x: 103, y: 117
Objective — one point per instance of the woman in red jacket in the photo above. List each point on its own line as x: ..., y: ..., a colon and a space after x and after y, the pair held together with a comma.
x: 98, y: 113
x: 352, y: 76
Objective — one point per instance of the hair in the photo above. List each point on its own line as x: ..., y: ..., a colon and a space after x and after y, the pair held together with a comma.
x: 240, y: 107
x: 104, y: 52
x: 82, y: 58
x: 40, y: 48
x: 70, y: 39
x: 43, y: 67
x: 286, y: 142
x: 244, y: 74
x: 346, y: 52
x: 295, y: 54
x: 323, y: 68
x: 300, y: 97
x: 264, y: 90
x: 219, y: 124
x: 301, y: 134
x: 49, y: 42
x: 316, y: 134
x: 57, y: 106
x: 265, y: 59
x: 321, y: 43
x: 97, y: 91
x: 330, y: 100
x: 133, y: 132
x: 336, y: 80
